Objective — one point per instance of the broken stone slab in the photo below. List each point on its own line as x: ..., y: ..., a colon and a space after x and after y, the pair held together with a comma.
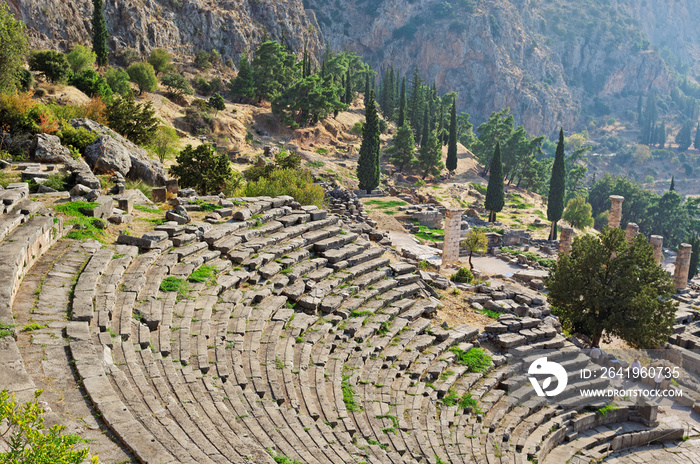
x: 510, y: 340
x: 103, y: 210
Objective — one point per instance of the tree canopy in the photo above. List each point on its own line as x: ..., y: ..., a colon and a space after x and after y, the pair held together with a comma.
x: 609, y: 287
x: 144, y: 76
x: 13, y: 47
x: 203, y: 169
x: 99, y: 34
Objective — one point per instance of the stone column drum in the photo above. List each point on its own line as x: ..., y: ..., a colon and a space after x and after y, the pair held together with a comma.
x: 453, y: 235
x: 615, y: 215
x: 657, y: 241
x: 567, y: 235
x: 680, y: 276
x: 631, y: 231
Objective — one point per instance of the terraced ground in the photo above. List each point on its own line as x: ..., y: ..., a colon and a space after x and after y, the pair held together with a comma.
x: 281, y: 332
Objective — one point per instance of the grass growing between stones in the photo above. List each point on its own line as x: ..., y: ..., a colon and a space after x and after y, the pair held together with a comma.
x: 140, y: 185
x: 349, y: 395
x: 176, y: 284
x: 146, y: 209
x: 84, y: 227
x: 546, y: 262
x: 488, y: 312
x: 282, y: 459
x: 204, y: 274
x: 475, y: 359
x: 426, y: 233
x: 6, y: 330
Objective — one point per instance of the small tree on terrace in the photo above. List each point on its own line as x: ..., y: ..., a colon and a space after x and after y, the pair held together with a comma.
x: 203, y: 169
x: 474, y: 242
x: 144, y: 76
x: 13, y: 46
x: 177, y: 85
x: 160, y: 59
x: 609, y: 287
x: 401, y: 153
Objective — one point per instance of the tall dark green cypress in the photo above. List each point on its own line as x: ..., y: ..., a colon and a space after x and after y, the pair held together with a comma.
x: 495, y: 198
x: 368, y: 162
x: 402, y: 104
x: 557, y: 187
x: 696, y: 142
x: 451, y: 162
x: 426, y: 128
x: 367, y: 86
x: 348, y: 89
x: 99, y: 34
x: 673, y: 184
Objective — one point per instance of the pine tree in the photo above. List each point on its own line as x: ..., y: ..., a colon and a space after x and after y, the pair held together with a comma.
x: 672, y: 188
x: 452, y: 142
x: 401, y: 153
x: 555, y: 202
x: 243, y: 86
x: 99, y: 34
x: 368, y: 162
x: 402, y: 104
x: 430, y: 156
x: 696, y: 142
x: 495, y: 198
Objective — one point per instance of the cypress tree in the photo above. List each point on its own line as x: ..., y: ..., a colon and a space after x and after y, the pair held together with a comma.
x: 367, y: 86
x: 426, y: 128
x: 348, y: 89
x: 402, y: 104
x: 696, y: 142
x: 695, y: 256
x: 368, y: 162
x: 99, y: 34
x: 495, y: 198
x: 673, y: 184
x: 452, y: 142
x: 557, y: 189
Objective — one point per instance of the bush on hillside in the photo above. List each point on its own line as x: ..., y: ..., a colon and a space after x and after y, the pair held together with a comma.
x: 92, y: 84
x: 297, y: 183
x: 52, y: 65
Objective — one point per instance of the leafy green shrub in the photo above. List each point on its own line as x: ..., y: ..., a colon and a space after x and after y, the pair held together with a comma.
x: 81, y: 58
x: 78, y: 138
x: 91, y: 84
x: 297, y: 183
x: 479, y: 188
x: 52, y: 65
x: 203, y: 169
x: 463, y: 275
x: 217, y: 102
x: 466, y: 402
x: 30, y: 441
x: 475, y: 359
x: 357, y: 128
x: 135, y: 121
x: 118, y: 81
x: 160, y: 59
x: 144, y: 76
x: 177, y: 85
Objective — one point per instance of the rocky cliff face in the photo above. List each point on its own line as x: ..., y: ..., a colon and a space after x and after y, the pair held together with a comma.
x: 550, y: 61
x: 182, y: 26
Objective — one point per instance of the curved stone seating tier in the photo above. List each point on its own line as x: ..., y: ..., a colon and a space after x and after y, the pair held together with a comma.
x: 308, y: 341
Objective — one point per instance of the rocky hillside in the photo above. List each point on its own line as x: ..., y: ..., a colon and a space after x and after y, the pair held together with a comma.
x: 182, y: 26
x: 553, y: 62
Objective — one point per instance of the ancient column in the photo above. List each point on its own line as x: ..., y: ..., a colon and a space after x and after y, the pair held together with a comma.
x: 631, y: 231
x: 453, y: 235
x: 680, y: 276
x: 615, y: 215
x: 657, y: 241
x: 567, y: 235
